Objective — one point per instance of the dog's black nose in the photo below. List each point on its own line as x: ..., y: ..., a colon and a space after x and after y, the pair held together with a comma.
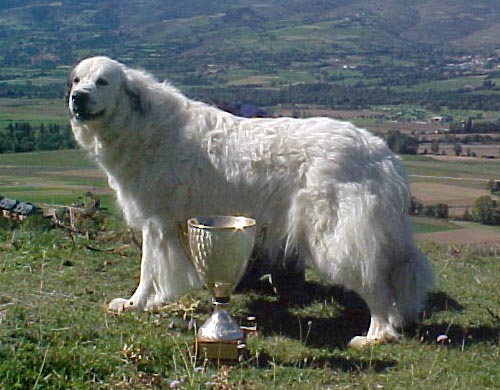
x: 80, y: 100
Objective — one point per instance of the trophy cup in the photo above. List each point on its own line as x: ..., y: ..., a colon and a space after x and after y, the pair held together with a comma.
x: 220, y: 248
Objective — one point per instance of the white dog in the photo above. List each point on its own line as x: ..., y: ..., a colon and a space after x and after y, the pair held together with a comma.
x: 326, y: 189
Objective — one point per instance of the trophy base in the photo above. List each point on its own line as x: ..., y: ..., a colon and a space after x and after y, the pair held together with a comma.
x: 227, y: 352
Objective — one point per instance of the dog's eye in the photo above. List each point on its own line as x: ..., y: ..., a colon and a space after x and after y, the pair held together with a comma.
x: 76, y: 80
x: 101, y: 81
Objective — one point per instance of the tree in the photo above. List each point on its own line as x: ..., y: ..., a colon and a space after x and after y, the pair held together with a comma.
x: 416, y: 207
x: 486, y: 211
x: 491, y: 185
x: 467, y: 215
x: 468, y: 126
x: 439, y: 210
x: 23, y: 137
x: 401, y: 143
x: 435, y: 146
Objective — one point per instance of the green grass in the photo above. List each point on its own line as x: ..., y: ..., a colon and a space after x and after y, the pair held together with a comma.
x: 55, y: 332
x: 466, y: 224
x: 446, y: 85
x: 432, y: 225
x: 466, y: 169
x: 64, y: 159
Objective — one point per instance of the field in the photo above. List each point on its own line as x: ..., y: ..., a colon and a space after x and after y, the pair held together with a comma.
x: 56, y: 332
x: 33, y: 111
x: 51, y: 177
x: 61, y: 177
x: 480, y: 150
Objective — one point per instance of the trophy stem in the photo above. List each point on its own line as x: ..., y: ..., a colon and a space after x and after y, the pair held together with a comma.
x: 220, y: 302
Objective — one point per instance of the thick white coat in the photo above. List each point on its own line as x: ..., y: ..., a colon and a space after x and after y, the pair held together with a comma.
x: 331, y: 191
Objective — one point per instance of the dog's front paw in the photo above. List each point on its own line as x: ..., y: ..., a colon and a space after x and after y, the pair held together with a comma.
x: 119, y: 305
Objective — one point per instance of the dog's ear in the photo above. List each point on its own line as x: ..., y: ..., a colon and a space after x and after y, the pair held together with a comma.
x: 69, y: 85
x: 136, y: 86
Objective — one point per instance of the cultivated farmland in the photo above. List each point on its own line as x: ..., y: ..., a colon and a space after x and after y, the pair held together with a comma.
x: 60, y: 177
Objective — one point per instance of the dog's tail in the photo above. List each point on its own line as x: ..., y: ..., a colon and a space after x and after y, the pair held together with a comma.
x: 412, y: 279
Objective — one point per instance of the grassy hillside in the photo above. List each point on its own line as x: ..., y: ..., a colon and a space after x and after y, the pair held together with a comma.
x: 57, y: 334
x: 258, y: 45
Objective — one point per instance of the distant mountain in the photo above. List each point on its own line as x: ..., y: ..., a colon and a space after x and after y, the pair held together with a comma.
x: 252, y: 43
x: 42, y: 29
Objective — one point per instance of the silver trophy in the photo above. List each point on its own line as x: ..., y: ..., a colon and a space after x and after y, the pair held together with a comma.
x: 220, y: 247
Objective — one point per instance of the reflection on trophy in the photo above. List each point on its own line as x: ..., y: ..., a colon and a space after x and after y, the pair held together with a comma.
x: 220, y: 248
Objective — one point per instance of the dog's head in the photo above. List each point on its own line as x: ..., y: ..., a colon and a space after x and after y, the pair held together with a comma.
x: 98, y: 85
x: 93, y: 88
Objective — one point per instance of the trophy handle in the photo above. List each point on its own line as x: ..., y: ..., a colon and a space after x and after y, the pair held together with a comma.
x: 182, y: 238
x: 260, y: 245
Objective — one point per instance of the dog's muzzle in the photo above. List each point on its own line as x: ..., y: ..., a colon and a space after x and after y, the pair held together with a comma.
x: 79, y: 106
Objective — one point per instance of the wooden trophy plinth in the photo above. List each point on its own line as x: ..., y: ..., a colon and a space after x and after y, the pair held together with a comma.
x: 227, y: 352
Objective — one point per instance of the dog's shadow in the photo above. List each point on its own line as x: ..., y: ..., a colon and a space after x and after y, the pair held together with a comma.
x: 276, y: 318
x: 337, y: 363
x: 451, y: 335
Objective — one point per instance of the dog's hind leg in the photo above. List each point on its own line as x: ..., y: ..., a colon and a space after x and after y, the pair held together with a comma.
x: 384, y: 317
x: 395, y: 298
x: 396, y: 295
x: 375, y: 288
x: 354, y: 246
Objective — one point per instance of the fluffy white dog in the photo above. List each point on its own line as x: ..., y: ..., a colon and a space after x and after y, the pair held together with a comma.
x: 327, y: 190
